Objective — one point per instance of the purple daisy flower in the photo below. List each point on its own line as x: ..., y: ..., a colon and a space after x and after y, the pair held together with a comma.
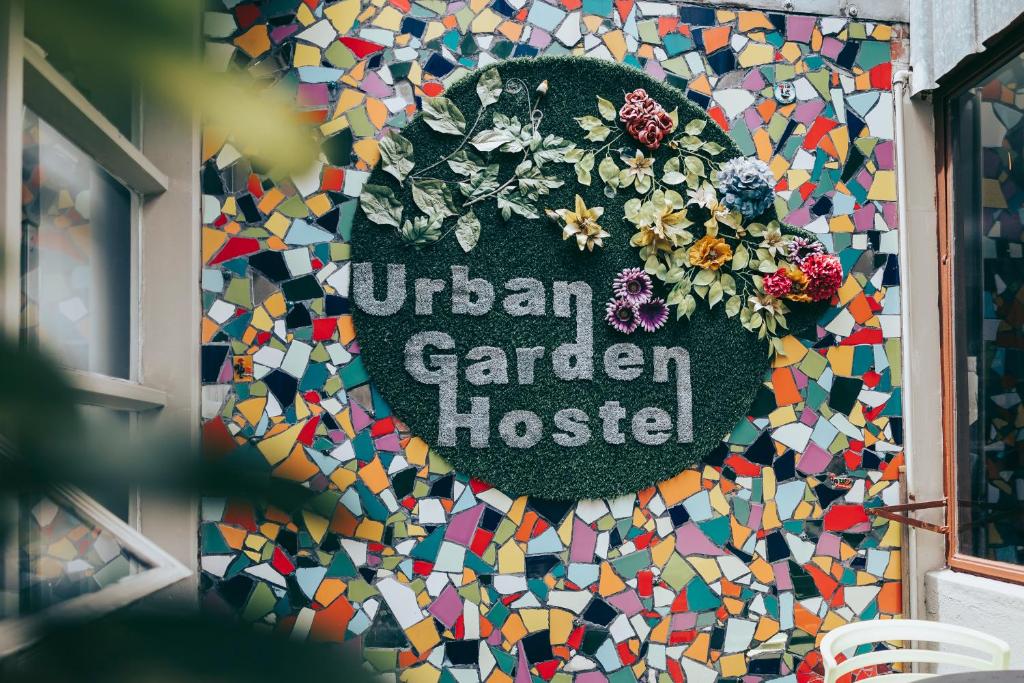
x: 652, y: 314
x: 801, y: 248
x: 622, y: 315
x: 633, y: 285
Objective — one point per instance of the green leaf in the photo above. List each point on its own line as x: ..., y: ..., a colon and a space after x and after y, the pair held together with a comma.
x: 433, y: 197
x: 732, y: 306
x: 713, y: 148
x: 467, y: 231
x: 598, y: 133
x: 442, y: 115
x: 686, y: 307
x: 715, y: 293
x: 396, y: 155
x: 694, y: 165
x: 421, y: 231
x: 491, y: 139
x: 608, y: 171
x: 583, y: 168
x: 740, y: 257
x: 480, y: 183
x: 674, y: 115
x: 588, y: 122
x: 489, y: 87
x: 606, y: 109
x: 690, y: 143
x: 511, y: 201
x: 466, y: 163
x: 551, y: 149
x: 532, y: 182
x: 705, y: 277
x: 695, y: 127
x: 380, y: 205
x: 778, y: 347
x: 728, y: 283
x: 673, y: 178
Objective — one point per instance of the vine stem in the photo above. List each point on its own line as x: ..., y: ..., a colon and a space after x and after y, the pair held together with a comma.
x: 535, y: 124
x: 465, y: 139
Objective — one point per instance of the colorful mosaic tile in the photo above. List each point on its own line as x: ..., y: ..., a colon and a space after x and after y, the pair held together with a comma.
x: 732, y: 569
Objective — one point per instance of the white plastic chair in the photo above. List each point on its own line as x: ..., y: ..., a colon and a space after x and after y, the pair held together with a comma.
x: 993, y: 653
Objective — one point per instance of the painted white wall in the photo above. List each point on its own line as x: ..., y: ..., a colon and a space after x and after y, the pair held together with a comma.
x: 993, y: 607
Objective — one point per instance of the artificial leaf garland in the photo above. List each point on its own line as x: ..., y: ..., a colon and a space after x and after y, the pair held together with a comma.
x: 475, y: 160
x: 693, y: 216
x: 730, y: 261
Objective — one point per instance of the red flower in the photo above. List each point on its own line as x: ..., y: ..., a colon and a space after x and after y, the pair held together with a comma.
x: 778, y: 283
x: 824, y: 276
x: 645, y: 119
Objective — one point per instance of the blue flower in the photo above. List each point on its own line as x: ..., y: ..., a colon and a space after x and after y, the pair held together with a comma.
x: 747, y: 186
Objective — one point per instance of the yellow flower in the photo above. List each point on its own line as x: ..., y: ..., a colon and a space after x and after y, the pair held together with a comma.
x: 710, y: 253
x: 582, y: 224
x: 799, y: 280
x: 639, y: 169
x: 661, y: 222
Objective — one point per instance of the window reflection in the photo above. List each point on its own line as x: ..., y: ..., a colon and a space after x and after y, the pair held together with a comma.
x: 987, y: 134
x: 76, y: 222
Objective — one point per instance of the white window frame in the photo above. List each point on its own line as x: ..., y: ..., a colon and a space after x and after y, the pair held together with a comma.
x: 163, y: 390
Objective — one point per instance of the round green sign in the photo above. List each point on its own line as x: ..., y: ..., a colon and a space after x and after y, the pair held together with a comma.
x: 485, y: 330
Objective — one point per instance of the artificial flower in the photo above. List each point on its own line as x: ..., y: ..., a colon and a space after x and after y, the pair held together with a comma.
x: 802, y: 247
x: 778, y: 283
x: 774, y: 241
x: 661, y: 221
x: 633, y: 285
x: 797, y: 284
x: 704, y: 196
x: 645, y: 119
x: 710, y: 253
x: 622, y: 316
x: 766, y: 304
x: 824, y: 275
x: 639, y: 169
x: 748, y: 185
x: 652, y: 314
x: 582, y: 225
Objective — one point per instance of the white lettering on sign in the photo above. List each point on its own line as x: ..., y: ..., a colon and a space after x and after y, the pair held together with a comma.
x: 430, y: 360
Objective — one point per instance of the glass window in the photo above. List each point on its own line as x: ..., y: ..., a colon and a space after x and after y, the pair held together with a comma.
x: 76, y: 255
x: 985, y: 124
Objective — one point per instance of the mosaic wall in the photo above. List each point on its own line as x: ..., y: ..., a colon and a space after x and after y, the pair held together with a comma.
x: 731, y: 570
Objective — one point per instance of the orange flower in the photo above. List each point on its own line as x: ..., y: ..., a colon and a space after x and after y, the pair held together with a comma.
x: 798, y: 291
x: 710, y: 253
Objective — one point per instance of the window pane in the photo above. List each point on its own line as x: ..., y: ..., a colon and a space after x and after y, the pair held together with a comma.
x: 987, y: 133
x: 76, y: 260
x: 64, y: 556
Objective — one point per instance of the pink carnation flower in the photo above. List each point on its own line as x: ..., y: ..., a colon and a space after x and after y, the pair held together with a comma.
x: 778, y: 283
x: 824, y: 275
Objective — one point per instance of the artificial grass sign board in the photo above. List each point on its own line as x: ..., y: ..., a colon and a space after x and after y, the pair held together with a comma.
x: 491, y: 304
